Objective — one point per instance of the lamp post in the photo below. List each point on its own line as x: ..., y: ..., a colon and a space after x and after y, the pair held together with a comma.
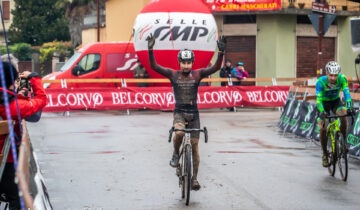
x: 98, y: 20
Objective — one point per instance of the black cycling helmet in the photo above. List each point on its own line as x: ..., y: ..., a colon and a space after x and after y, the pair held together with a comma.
x: 7, y: 74
x: 186, y: 55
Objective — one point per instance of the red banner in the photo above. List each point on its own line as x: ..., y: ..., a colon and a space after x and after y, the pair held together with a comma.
x: 161, y: 98
x: 243, y: 5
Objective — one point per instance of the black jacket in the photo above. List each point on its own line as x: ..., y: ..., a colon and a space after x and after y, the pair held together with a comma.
x: 225, y: 71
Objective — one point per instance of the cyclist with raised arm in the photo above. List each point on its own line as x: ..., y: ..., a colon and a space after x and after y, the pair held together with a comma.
x: 328, y: 99
x: 185, y: 85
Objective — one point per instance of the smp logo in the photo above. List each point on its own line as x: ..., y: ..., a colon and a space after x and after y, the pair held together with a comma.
x: 183, y: 33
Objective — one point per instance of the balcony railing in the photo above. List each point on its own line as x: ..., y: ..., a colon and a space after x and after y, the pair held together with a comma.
x: 342, y: 5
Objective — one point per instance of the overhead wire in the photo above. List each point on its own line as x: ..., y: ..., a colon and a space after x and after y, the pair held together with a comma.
x: 7, y: 106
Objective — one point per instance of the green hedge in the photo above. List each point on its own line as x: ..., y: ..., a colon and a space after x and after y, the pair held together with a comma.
x: 22, y: 51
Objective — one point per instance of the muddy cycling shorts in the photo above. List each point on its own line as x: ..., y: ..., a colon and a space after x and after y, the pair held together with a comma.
x: 187, y: 120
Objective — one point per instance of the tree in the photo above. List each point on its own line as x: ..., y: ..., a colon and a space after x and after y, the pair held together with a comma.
x: 76, y: 10
x: 38, y: 21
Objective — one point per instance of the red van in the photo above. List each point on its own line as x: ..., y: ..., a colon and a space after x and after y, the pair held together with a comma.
x: 98, y: 60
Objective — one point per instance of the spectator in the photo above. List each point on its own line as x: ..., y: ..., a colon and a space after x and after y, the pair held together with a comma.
x: 225, y: 71
x: 141, y: 73
x: 27, y: 107
x: 239, y: 73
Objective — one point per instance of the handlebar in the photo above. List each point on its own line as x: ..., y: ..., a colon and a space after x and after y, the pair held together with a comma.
x: 336, y: 116
x: 189, y: 130
x: 346, y: 115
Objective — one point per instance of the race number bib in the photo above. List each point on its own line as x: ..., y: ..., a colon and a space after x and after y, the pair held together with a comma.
x: 4, y: 205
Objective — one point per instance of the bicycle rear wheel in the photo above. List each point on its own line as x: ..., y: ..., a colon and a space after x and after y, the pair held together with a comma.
x: 187, y: 173
x: 342, y: 156
x: 332, y: 157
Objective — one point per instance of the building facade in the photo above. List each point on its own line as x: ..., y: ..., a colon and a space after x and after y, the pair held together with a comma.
x: 273, y: 43
x: 7, y: 6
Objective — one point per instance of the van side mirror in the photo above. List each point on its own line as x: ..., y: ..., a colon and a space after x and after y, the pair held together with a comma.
x: 76, y: 70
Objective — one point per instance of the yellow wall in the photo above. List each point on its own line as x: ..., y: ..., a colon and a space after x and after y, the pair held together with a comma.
x: 90, y: 35
x: 120, y: 18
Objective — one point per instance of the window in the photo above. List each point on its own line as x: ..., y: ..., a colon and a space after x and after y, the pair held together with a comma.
x: 70, y: 62
x: 239, y: 19
x: 6, y: 9
x: 89, y: 63
x: 304, y: 19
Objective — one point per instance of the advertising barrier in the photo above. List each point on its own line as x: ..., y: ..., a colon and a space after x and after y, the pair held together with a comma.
x: 162, y: 98
x: 300, y: 117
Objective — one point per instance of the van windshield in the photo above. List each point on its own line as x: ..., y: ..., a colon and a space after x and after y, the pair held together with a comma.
x: 70, y: 62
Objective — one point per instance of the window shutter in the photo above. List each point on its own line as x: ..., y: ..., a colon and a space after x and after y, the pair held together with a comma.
x: 6, y: 9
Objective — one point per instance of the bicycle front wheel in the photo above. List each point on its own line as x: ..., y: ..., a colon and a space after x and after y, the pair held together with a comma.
x: 187, y: 174
x: 332, y: 157
x: 342, y: 156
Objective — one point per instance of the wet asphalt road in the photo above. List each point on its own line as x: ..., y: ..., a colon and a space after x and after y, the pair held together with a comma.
x: 109, y: 160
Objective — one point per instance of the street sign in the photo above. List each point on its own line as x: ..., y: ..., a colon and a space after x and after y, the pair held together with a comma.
x: 328, y: 20
x: 323, y: 8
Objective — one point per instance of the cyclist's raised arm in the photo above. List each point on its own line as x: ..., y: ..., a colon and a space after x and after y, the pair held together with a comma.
x: 208, y: 71
x: 319, y: 95
x: 345, y: 86
x: 212, y: 69
x: 161, y: 70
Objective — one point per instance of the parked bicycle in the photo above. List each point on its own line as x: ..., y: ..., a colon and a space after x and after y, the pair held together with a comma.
x: 337, y: 148
x: 183, y: 171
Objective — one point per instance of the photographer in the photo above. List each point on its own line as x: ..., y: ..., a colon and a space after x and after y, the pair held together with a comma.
x: 23, y: 88
x: 27, y: 107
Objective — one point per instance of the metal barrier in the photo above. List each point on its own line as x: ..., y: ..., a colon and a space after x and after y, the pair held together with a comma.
x: 4, y: 130
x: 30, y: 180
x: 64, y: 82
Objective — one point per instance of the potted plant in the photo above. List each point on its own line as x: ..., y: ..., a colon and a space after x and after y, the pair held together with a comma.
x: 291, y: 3
x: 301, y: 5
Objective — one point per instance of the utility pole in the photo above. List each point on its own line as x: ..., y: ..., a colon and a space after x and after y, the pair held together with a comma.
x: 98, y: 20
x: 319, y: 70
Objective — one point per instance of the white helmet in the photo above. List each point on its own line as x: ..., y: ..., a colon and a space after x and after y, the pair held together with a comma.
x: 333, y: 67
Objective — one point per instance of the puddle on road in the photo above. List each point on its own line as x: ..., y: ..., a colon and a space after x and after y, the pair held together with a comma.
x: 249, y: 152
x: 268, y: 146
x: 92, y: 132
x: 100, y: 152
x: 240, y: 152
x: 106, y: 152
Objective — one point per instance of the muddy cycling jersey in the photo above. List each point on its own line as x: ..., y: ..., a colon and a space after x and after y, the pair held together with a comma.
x: 185, y: 85
x: 331, y: 92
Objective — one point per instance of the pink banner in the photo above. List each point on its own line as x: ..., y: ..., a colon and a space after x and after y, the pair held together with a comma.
x: 243, y: 5
x: 161, y: 98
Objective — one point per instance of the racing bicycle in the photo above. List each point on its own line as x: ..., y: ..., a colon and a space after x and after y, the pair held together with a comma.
x: 337, y: 148
x: 183, y: 170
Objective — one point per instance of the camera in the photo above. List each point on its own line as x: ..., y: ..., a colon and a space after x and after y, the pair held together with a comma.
x: 24, y: 83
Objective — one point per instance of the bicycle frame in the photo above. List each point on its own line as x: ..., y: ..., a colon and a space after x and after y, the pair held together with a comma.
x: 182, y: 171
x: 186, y: 141
x: 332, y: 128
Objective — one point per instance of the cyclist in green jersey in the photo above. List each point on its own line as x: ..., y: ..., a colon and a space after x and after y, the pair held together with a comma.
x: 328, y: 99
